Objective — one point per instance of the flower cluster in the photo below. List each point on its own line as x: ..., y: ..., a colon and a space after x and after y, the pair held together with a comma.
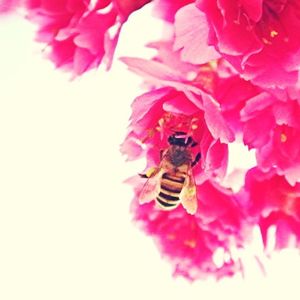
x: 226, y: 72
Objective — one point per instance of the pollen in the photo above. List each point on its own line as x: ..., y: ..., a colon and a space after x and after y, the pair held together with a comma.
x: 265, y: 41
x: 273, y: 33
x: 150, y: 134
x: 213, y: 64
x: 283, y: 138
x: 190, y: 243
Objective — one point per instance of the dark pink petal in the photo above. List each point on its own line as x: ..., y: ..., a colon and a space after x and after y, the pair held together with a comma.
x: 253, y: 8
x: 255, y: 105
x: 180, y: 105
x: 126, y: 7
x: 166, y: 9
x: 144, y: 103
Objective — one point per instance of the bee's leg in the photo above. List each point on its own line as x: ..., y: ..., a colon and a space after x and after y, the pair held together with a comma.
x: 196, y: 160
x: 150, y: 172
x: 190, y: 142
x: 161, y: 154
x: 143, y: 175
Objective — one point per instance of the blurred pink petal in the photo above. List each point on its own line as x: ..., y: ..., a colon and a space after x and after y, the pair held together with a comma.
x: 79, y: 33
x: 7, y: 6
x: 274, y: 202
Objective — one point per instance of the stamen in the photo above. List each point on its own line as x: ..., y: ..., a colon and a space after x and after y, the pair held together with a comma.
x: 265, y: 41
x: 190, y: 243
x: 273, y: 33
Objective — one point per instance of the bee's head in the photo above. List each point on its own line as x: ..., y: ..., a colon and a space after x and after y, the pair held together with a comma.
x: 180, y: 138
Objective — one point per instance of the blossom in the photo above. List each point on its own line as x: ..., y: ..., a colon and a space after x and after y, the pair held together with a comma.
x: 274, y: 203
x: 159, y: 113
x: 78, y: 33
x: 272, y: 128
x: 261, y: 39
x: 193, y: 242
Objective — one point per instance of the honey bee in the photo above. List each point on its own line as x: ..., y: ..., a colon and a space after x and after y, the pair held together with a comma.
x: 171, y: 183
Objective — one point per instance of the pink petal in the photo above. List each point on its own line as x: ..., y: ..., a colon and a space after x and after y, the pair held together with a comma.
x: 180, y: 105
x: 217, y: 159
x: 152, y: 69
x: 215, y: 121
x: 7, y: 6
x: 253, y: 8
x: 191, y: 31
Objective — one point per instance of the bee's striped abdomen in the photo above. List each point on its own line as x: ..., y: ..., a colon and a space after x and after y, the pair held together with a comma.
x: 170, y: 188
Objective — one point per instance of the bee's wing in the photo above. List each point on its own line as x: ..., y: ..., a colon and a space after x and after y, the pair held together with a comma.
x: 151, y: 187
x: 188, y: 195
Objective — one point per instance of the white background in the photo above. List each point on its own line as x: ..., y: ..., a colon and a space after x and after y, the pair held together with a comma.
x: 65, y: 227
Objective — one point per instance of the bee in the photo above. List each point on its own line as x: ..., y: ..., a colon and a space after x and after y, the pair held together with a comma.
x: 171, y: 183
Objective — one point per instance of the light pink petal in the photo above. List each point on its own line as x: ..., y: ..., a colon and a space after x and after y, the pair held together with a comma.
x: 217, y: 159
x: 7, y: 6
x: 131, y: 148
x: 152, y: 69
x: 215, y: 121
x: 191, y: 31
x: 82, y: 61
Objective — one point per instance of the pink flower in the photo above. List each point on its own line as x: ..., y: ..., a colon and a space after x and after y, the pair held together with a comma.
x: 77, y: 33
x: 261, y: 39
x: 272, y: 202
x: 191, y: 243
x: 272, y: 128
x: 157, y: 115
